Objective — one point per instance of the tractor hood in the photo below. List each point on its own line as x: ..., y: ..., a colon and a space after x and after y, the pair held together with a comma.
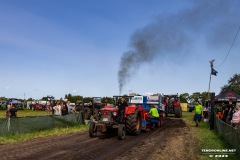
x: 109, y: 108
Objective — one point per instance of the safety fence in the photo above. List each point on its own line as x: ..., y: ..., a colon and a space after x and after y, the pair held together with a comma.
x: 31, y: 124
x: 229, y: 133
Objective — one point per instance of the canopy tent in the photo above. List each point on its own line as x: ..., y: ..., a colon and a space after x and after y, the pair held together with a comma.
x: 15, y: 102
x: 226, y: 95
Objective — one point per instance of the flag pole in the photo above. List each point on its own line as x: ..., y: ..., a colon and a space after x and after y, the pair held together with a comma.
x: 209, y: 85
x: 211, y: 65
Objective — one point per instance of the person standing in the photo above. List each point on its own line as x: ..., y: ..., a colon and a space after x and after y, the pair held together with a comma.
x: 58, y: 109
x: 236, y: 116
x: 8, y: 111
x: 198, y: 113
x: 13, y: 111
x: 230, y: 111
x: 65, y: 109
x: 166, y: 105
x: 225, y: 112
x: 121, y: 106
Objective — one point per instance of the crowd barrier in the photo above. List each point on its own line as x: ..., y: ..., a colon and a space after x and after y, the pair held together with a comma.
x: 31, y: 124
x: 229, y: 133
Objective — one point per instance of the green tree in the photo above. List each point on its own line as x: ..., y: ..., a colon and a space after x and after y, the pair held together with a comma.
x: 44, y: 98
x: 3, y: 99
x: 73, y: 99
x: 195, y: 96
x: 29, y: 99
x: 233, y: 84
x: 184, y: 98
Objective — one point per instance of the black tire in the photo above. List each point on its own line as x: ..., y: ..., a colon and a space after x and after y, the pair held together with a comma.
x: 121, y: 132
x: 87, y: 113
x: 134, y: 123
x: 92, y: 130
x: 178, y: 111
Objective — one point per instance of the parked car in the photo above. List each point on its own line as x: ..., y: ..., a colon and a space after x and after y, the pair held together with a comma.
x: 191, y: 107
x: 70, y: 106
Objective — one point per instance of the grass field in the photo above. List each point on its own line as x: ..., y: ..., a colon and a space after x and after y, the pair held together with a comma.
x: 208, y: 139
x: 25, y: 113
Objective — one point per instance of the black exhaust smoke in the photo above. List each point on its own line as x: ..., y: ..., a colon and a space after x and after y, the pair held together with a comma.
x: 215, y: 21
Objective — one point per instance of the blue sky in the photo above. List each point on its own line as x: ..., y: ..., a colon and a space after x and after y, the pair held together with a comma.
x: 56, y: 47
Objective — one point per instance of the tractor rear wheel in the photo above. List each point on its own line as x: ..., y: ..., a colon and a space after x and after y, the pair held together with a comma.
x: 178, y: 111
x: 87, y: 113
x: 134, y: 123
x: 121, y: 132
x: 92, y: 130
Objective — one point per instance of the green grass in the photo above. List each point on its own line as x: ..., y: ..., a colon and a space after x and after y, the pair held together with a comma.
x: 27, y: 136
x: 208, y: 139
x: 26, y: 112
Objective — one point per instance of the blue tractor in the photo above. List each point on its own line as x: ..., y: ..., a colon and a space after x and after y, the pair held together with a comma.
x: 143, y: 104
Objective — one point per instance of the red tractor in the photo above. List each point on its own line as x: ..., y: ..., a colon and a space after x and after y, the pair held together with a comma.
x: 109, y: 120
x: 172, y: 105
x: 136, y: 118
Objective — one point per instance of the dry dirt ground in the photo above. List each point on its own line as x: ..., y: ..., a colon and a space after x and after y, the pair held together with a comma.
x: 174, y: 140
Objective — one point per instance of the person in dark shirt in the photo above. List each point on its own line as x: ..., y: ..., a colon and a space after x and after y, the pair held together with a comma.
x: 224, y: 112
x: 65, y: 109
x: 230, y: 110
x: 13, y: 112
x: 121, y: 106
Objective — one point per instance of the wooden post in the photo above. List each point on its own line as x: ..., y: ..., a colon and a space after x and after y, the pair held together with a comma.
x: 212, y: 111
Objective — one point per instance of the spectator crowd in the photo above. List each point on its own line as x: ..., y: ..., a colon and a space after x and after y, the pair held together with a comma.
x: 230, y: 113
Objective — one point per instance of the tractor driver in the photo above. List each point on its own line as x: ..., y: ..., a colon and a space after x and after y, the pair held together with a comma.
x: 153, y: 112
x: 121, y: 106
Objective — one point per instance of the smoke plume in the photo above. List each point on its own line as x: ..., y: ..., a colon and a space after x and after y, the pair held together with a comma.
x: 172, y: 35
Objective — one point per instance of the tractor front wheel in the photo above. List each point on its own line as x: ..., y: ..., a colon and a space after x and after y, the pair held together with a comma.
x: 92, y: 130
x: 121, y: 132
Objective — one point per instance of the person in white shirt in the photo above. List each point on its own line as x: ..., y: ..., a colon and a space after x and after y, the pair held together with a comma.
x: 57, y: 109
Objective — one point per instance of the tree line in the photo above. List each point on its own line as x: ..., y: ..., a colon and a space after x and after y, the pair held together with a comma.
x: 233, y: 84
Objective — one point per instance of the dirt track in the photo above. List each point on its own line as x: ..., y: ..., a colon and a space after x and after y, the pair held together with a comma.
x: 167, y: 142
